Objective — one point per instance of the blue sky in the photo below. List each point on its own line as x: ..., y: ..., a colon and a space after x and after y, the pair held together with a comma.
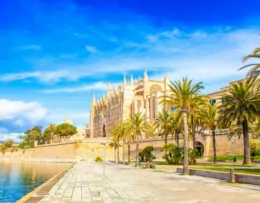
x: 55, y: 54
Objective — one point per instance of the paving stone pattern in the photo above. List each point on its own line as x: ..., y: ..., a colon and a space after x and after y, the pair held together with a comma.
x: 85, y: 183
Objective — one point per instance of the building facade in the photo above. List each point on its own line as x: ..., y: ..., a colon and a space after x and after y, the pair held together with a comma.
x: 141, y: 96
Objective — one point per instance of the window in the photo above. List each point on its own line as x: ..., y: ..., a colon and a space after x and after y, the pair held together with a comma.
x: 212, y: 101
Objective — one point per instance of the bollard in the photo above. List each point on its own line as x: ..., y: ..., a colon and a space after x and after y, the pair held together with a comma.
x: 232, y: 175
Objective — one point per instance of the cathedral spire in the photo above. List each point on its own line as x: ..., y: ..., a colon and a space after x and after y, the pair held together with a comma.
x: 109, y: 89
x: 131, y: 80
x: 124, y: 79
x: 145, y: 76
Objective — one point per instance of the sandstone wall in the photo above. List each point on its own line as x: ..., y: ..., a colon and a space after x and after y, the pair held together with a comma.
x: 50, y: 152
x: 92, y: 147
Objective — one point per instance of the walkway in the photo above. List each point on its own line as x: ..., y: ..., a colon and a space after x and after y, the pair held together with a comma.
x: 85, y: 183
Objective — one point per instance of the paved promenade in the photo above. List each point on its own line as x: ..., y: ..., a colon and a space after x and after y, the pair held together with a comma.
x: 85, y: 183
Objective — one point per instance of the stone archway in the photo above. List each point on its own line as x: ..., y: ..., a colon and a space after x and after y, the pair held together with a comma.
x: 199, y: 146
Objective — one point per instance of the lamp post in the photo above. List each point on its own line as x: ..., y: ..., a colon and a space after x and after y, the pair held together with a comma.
x: 233, y: 142
x: 104, y: 157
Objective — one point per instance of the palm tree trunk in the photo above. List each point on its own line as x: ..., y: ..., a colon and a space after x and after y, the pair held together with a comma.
x: 118, y: 155
x: 123, y: 152
x: 193, y: 136
x: 115, y: 154
x: 247, y: 159
x: 165, y: 142
x: 165, y: 138
x: 177, y: 139
x: 214, y: 146
x: 137, y: 150
x: 128, y: 151
x: 186, y: 145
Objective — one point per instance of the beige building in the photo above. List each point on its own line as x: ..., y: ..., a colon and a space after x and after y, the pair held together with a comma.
x: 127, y: 99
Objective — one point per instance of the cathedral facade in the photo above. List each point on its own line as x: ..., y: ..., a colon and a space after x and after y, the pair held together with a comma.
x: 140, y: 96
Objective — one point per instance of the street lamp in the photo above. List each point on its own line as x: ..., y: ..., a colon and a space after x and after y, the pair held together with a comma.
x: 104, y: 157
x: 233, y: 142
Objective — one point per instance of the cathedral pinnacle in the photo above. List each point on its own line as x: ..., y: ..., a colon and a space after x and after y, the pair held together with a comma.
x: 131, y: 80
x: 124, y: 79
x: 145, y: 75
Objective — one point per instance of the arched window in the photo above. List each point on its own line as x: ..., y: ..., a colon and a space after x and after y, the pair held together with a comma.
x: 155, y: 88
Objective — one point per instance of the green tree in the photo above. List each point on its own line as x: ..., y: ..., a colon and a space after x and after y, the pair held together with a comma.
x: 210, y: 121
x: 9, y: 143
x: 164, y: 124
x: 36, y: 133
x: 65, y: 130
x: 242, y: 104
x: 183, y: 96
x: 138, y: 125
x: 49, y: 133
x: 116, y: 132
x: 124, y: 134
x: 255, y: 67
x: 3, y: 147
x: 177, y: 126
x: 194, y: 117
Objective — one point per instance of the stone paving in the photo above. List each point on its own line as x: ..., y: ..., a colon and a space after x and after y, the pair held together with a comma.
x: 85, y: 183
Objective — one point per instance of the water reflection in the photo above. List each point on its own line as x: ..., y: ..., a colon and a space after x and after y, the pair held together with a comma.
x: 19, y: 178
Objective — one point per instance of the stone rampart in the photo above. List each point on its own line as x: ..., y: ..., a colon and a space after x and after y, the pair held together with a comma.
x: 50, y: 152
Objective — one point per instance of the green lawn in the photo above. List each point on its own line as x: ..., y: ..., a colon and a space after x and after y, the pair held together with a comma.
x: 230, y: 158
x: 252, y: 171
x: 217, y: 165
x: 160, y: 163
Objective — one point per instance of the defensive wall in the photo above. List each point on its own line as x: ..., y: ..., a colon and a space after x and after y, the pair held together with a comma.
x: 92, y: 147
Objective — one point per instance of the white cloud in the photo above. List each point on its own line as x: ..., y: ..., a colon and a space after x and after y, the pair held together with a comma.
x: 79, y: 118
x: 33, y: 47
x: 203, y: 55
x: 42, y: 76
x: 95, y: 86
x: 13, y: 136
x: 91, y: 49
x: 20, y: 113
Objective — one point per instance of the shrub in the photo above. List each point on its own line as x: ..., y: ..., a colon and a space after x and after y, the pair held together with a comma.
x: 193, y: 155
x: 173, y: 154
x: 98, y: 159
x: 146, y: 154
x: 255, y: 147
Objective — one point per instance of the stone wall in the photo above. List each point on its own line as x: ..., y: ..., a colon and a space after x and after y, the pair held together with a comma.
x: 50, y: 152
x: 92, y: 147
x: 224, y: 146
x: 239, y: 178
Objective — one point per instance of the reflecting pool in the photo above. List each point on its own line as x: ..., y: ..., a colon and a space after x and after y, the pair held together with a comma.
x: 19, y: 178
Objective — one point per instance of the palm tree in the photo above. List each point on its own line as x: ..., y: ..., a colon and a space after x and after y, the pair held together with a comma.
x: 138, y: 125
x: 254, y: 66
x: 163, y: 122
x: 183, y: 96
x: 210, y: 121
x: 177, y: 126
x: 194, y: 117
x: 115, y: 141
x: 242, y: 104
x: 125, y: 136
x: 48, y: 133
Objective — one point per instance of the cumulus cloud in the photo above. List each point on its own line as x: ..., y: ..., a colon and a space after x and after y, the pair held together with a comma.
x: 42, y: 76
x: 13, y: 136
x: 202, y: 54
x: 85, y: 88
x: 16, y: 116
